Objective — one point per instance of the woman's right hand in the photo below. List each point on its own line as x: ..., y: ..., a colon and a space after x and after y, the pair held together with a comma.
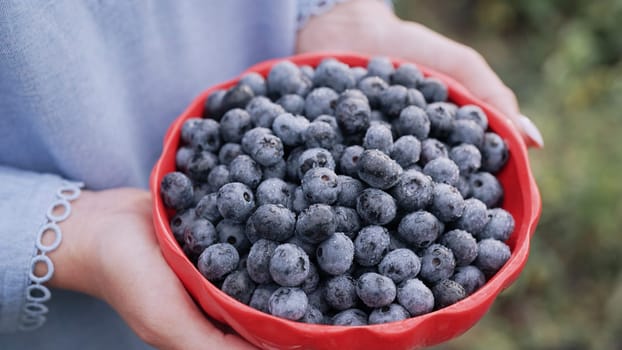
x: 109, y: 250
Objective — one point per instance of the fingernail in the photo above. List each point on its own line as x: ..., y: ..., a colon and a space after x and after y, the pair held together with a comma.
x: 531, y: 131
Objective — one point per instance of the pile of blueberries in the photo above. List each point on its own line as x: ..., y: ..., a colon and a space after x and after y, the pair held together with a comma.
x: 340, y: 195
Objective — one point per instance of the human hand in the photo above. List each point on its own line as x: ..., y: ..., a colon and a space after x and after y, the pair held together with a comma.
x: 110, y: 251
x: 369, y: 27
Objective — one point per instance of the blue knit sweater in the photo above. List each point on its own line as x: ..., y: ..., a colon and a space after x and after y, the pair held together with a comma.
x: 87, y: 91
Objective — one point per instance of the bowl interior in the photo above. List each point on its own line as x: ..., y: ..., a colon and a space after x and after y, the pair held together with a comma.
x: 521, y: 199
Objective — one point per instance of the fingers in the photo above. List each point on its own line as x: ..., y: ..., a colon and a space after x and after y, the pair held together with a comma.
x: 469, y: 68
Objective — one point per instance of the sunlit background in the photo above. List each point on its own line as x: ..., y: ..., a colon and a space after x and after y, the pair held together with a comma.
x: 564, y: 61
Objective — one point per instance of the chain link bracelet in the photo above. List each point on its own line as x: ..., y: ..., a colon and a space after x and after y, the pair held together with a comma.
x: 34, y: 310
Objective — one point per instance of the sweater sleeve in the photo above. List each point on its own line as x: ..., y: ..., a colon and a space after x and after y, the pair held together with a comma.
x: 25, y: 198
x: 309, y: 8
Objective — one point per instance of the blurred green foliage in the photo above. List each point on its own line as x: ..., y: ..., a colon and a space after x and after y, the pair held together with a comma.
x: 564, y: 61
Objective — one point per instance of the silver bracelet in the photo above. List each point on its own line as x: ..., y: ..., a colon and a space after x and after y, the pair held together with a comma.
x: 34, y: 310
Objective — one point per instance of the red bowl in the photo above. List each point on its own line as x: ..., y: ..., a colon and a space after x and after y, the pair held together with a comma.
x: 521, y: 199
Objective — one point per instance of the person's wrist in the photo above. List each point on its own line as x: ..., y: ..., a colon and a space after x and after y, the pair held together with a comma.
x: 74, y: 258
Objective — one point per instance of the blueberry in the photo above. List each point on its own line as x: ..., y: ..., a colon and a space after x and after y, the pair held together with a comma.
x: 213, y: 105
x: 447, y: 203
x: 413, y: 190
x: 437, y: 263
x: 237, y: 97
x: 378, y: 137
x: 200, y: 164
x: 234, y: 124
x: 261, y: 295
x: 373, y: 87
x: 371, y: 245
x: 486, y: 187
x: 466, y: 131
x: 474, y: 113
x: 313, y: 316
x: 218, y: 177
x: 199, y: 235
x: 380, y: 66
x: 274, y: 222
x: 500, y: 225
x: 441, y: 119
x: 400, y: 264
x: 340, y: 292
x: 228, y: 152
x: 378, y: 169
x: 286, y: 78
x: 330, y: 120
x: 335, y: 254
x: 258, y: 261
x: 408, y: 75
x: 321, y: 100
x: 312, y: 282
x: 267, y: 150
x: 350, y: 317
x: 307, y: 71
x: 333, y: 74
x: 217, y: 261
x: 290, y: 128
x: 263, y: 112
x: 208, y: 207
x: 256, y: 82
x: 491, y: 256
x: 376, y: 207
x: 176, y: 190
x: 182, y: 158
x: 314, y: 158
x: 245, y: 170
x: 419, y: 229
x: 414, y: 121
x: 181, y: 222
x: 317, y: 300
x: 415, y: 297
x: 235, y: 201
x: 274, y: 191
x: 251, y: 232
x: 289, y: 266
x: 351, y: 188
x: 358, y: 73
x: 233, y: 233
x: 239, y: 286
x: 347, y: 221
x: 288, y: 303
x: 201, y: 134
x: 396, y: 97
x: 389, y: 313
x: 353, y: 115
x: 291, y: 103
x: 252, y: 138
x: 447, y: 292
x: 320, y: 134
x: 469, y: 277
x: 433, y: 90
x: 474, y: 217
x: 467, y: 157
x: 375, y: 290
x: 316, y: 223
x: 462, y: 244
x: 442, y: 170
x: 299, y: 202
x: 406, y: 151
x: 320, y: 185
x: 349, y: 161
x: 494, y: 153
x: 352, y: 93
x: 463, y: 186
x: 276, y: 170
x: 431, y: 149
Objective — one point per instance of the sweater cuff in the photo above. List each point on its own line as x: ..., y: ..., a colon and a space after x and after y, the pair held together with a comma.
x: 309, y: 8
x: 25, y: 199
